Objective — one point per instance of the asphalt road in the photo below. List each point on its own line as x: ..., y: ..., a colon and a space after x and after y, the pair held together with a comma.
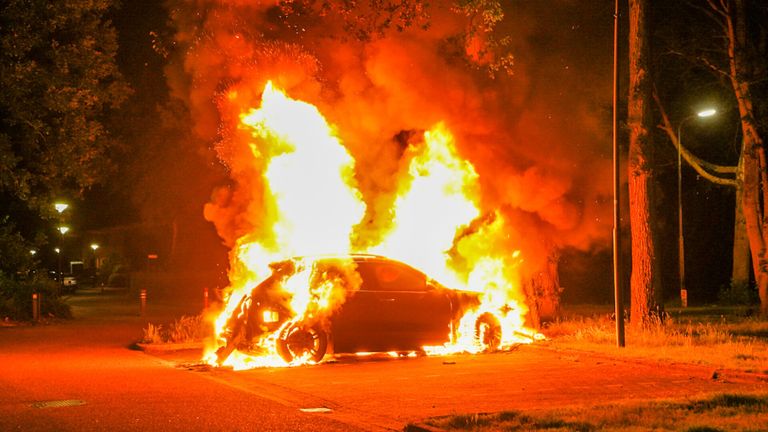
x: 82, y: 375
x: 382, y: 394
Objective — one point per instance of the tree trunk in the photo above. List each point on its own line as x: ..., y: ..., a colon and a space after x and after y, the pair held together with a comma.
x: 543, y: 293
x: 644, y: 266
x: 741, y: 268
x: 753, y: 150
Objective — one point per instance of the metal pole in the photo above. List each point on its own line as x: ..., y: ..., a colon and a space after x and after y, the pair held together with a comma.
x: 35, y: 307
x: 61, y: 278
x: 619, y: 303
x: 680, y: 241
x: 143, y: 301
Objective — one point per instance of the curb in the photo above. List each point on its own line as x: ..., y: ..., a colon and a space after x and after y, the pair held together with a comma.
x: 421, y: 427
x: 169, y: 347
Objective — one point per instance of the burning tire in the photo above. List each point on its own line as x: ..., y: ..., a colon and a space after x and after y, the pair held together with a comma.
x: 488, y: 332
x: 298, y: 341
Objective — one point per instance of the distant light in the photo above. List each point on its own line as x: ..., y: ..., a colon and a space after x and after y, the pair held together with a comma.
x: 57, y: 250
x: 63, y: 229
x: 32, y: 251
x: 94, y: 246
x: 707, y: 112
x: 60, y: 207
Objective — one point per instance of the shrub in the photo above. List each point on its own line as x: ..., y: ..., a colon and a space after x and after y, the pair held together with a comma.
x: 738, y: 294
x: 16, y: 298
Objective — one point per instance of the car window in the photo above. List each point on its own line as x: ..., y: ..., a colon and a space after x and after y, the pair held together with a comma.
x: 379, y: 276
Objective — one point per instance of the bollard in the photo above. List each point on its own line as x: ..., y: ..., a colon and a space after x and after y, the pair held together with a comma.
x: 205, y: 298
x: 143, y: 298
x: 35, y: 307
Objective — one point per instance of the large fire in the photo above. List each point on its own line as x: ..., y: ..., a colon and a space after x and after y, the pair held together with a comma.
x: 312, y: 206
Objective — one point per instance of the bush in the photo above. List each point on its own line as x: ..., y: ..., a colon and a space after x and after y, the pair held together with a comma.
x: 738, y: 294
x: 16, y: 298
x: 184, y: 330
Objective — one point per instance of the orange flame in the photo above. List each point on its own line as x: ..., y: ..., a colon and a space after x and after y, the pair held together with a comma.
x: 314, y: 205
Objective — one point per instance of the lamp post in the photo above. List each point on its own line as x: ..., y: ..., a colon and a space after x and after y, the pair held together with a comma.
x: 63, y: 230
x: 95, y: 246
x: 60, y: 207
x: 617, y: 294
x: 680, y: 242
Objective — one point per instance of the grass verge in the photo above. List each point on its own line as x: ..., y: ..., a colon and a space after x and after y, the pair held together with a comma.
x: 728, y: 341
x: 721, y: 412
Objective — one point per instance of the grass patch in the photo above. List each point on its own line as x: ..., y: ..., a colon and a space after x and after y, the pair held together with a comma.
x: 508, y: 421
x: 183, y: 330
x: 721, y: 412
x: 731, y: 342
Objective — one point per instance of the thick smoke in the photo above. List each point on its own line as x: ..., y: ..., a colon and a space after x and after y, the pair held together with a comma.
x: 539, y: 139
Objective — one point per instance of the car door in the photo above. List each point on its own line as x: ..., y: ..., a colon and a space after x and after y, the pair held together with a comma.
x: 361, y: 322
x: 416, y: 314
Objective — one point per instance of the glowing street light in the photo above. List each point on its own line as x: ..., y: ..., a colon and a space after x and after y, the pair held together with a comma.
x: 94, y: 246
x: 63, y: 229
x: 60, y: 207
x: 709, y: 112
x: 32, y: 251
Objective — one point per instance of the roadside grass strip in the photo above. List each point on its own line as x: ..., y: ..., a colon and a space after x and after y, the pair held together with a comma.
x: 721, y: 412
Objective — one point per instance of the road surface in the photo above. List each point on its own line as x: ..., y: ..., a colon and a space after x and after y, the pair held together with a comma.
x: 83, y: 375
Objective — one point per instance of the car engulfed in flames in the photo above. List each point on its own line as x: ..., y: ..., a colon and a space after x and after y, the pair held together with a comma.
x: 357, y: 304
x: 298, y: 194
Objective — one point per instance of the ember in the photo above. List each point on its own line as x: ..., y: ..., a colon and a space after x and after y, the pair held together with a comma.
x: 310, y: 205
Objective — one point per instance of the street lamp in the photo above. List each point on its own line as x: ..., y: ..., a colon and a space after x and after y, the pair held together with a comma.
x: 63, y: 230
x: 95, y: 246
x: 680, y: 243
x: 60, y: 207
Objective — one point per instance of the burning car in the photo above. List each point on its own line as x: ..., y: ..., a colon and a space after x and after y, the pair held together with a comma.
x: 357, y: 303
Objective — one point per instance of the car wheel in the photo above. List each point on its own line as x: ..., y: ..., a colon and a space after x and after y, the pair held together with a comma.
x: 298, y: 341
x: 488, y: 332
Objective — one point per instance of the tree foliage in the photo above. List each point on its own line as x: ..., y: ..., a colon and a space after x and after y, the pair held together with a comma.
x: 59, y: 77
x: 59, y: 81
x: 478, y: 43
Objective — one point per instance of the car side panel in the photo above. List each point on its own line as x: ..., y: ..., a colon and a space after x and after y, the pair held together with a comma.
x: 394, y: 310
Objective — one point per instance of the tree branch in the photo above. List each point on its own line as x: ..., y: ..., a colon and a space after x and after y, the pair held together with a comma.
x: 716, y: 14
x: 695, y: 162
x: 706, y: 62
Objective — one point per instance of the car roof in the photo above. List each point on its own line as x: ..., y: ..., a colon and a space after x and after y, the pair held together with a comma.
x: 354, y: 257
